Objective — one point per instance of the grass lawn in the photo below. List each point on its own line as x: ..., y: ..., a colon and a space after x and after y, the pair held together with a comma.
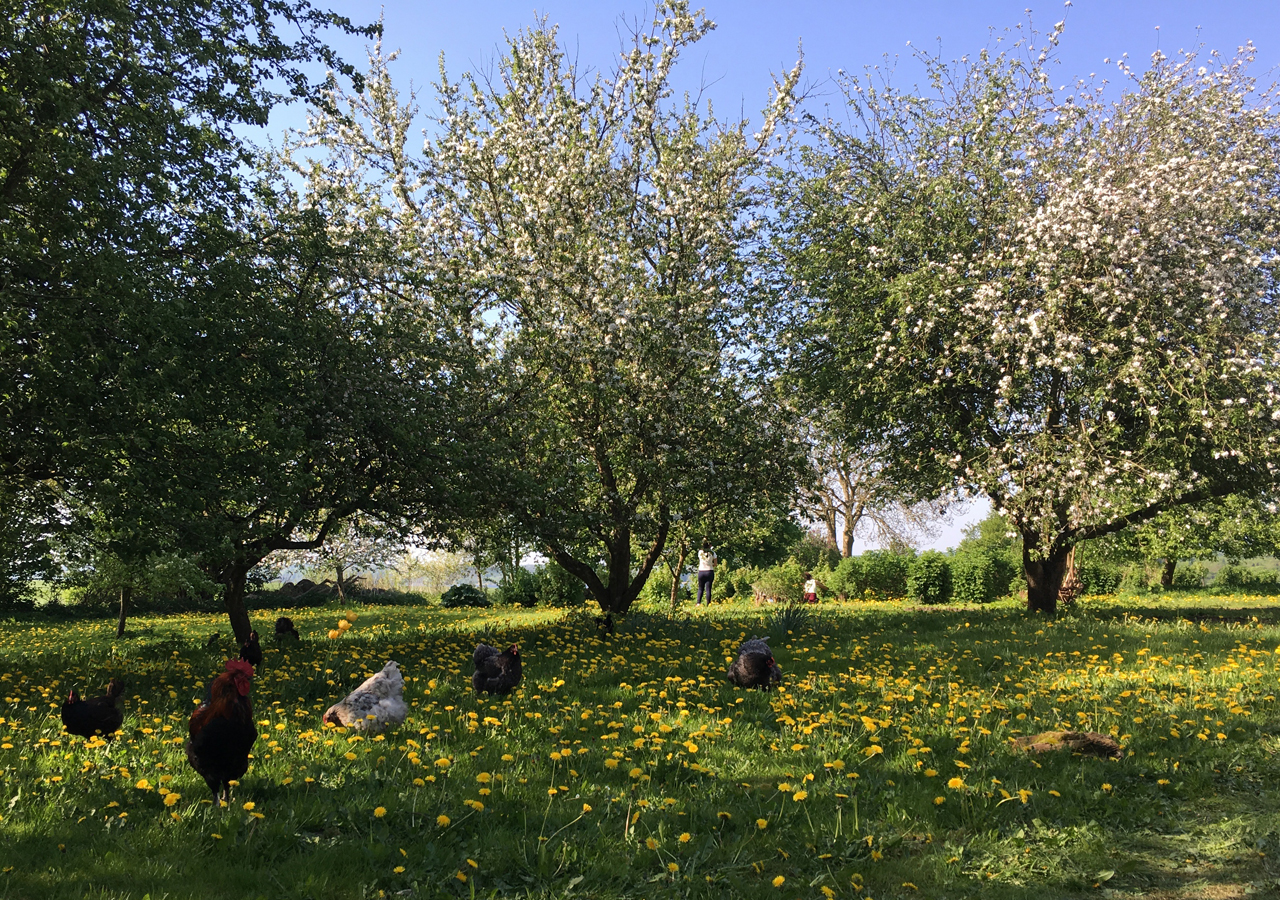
x: 627, y: 766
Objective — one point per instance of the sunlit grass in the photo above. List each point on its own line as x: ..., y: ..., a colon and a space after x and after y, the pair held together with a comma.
x: 626, y: 765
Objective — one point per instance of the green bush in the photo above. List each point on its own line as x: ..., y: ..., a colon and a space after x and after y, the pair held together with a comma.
x: 521, y: 589
x: 1190, y: 575
x: 884, y: 573
x: 845, y: 577
x: 929, y: 580
x: 461, y: 595
x: 724, y: 588
x: 742, y: 579
x: 1135, y: 577
x: 1099, y: 577
x: 783, y: 582
x: 975, y: 578
x: 1233, y: 577
x: 556, y: 587
x: 658, y: 588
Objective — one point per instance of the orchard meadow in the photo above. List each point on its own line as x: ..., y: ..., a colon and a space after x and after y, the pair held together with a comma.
x: 626, y: 765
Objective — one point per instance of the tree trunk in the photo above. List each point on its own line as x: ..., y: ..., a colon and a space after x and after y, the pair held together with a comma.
x: 1044, y: 574
x: 233, y: 598
x: 125, y: 593
x: 675, y: 577
x: 1166, y: 576
x: 338, y: 570
x: 616, y: 596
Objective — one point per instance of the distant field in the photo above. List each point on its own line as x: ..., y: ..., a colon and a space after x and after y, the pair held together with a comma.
x: 627, y: 766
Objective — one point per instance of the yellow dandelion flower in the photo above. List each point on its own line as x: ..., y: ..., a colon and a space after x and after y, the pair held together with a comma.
x: 800, y: 795
x: 651, y: 843
x: 685, y: 838
x: 248, y: 807
x: 171, y: 799
x: 379, y: 812
x: 956, y: 784
x: 779, y: 881
x: 399, y: 870
x: 443, y: 821
x: 673, y: 867
x: 762, y: 824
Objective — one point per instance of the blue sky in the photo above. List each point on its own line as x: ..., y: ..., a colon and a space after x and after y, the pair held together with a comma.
x: 754, y: 39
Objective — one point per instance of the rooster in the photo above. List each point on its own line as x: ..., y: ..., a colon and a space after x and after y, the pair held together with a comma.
x: 284, y: 628
x: 755, y: 666
x: 496, y: 673
x: 221, y: 731
x: 251, y: 651
x: 95, y: 715
x: 377, y: 703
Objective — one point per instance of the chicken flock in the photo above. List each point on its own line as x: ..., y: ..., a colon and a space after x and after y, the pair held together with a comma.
x: 221, y: 732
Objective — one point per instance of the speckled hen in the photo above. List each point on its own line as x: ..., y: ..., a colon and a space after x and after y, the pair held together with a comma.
x: 375, y: 704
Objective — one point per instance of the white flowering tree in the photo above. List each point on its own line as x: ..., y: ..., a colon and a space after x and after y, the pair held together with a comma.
x: 356, y: 545
x: 1064, y: 303
x: 603, y: 224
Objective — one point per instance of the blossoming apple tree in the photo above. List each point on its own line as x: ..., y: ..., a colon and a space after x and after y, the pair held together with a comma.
x: 599, y: 227
x: 1062, y: 301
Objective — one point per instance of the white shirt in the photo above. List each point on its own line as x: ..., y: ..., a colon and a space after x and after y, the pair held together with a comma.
x: 706, y: 561
x: 811, y: 586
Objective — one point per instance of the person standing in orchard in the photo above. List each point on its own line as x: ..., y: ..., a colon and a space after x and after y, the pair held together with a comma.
x: 811, y: 586
x: 706, y: 570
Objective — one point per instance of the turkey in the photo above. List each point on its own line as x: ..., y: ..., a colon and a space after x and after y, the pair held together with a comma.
x: 496, y: 673
x: 755, y: 666
x: 377, y: 703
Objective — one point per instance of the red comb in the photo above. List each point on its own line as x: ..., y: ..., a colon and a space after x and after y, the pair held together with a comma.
x: 241, y: 673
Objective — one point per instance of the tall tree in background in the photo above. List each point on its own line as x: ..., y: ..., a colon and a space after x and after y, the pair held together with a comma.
x: 851, y: 494
x: 606, y: 226
x: 1066, y: 304
x: 119, y: 159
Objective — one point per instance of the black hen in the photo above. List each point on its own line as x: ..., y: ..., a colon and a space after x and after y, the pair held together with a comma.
x: 284, y: 628
x: 496, y: 673
x: 221, y: 731
x: 755, y: 666
x: 251, y: 651
x: 97, y: 715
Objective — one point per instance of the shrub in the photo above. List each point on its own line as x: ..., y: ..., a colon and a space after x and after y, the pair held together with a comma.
x: 1190, y: 575
x: 929, y: 580
x: 742, y: 579
x: 461, y: 595
x: 1098, y: 577
x: 658, y: 588
x: 1234, y: 577
x: 884, y: 573
x: 845, y: 577
x: 783, y: 582
x: 975, y: 578
x: 521, y: 589
x: 724, y: 588
x: 556, y: 587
